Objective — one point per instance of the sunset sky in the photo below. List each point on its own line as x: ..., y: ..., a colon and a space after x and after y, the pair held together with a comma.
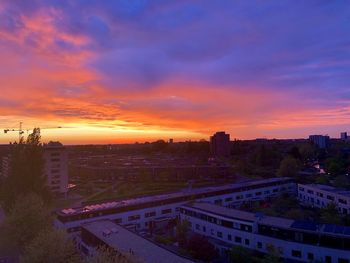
x: 137, y: 70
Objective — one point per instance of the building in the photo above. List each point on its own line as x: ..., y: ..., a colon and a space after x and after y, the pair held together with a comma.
x: 125, y: 243
x: 220, y: 144
x: 344, y: 136
x: 317, y: 195
x: 321, y: 141
x: 144, y: 211
x: 294, y: 240
x: 5, y: 166
x: 56, y: 167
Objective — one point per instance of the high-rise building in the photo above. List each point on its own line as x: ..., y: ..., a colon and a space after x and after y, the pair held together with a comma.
x: 220, y: 144
x: 56, y: 167
x: 322, y: 141
x: 344, y: 136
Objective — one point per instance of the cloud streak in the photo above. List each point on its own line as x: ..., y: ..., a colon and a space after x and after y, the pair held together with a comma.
x: 154, y: 68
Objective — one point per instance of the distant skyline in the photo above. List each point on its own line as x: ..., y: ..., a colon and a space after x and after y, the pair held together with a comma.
x: 126, y: 71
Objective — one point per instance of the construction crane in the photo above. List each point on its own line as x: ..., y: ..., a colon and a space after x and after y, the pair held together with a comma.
x: 21, y: 131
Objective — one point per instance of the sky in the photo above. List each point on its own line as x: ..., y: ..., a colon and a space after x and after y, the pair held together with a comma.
x: 137, y: 70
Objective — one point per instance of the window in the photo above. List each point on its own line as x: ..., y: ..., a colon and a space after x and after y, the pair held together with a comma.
x: 296, y: 253
x: 238, y: 197
x: 219, y: 234
x: 197, y: 226
x: 134, y: 217
x: 228, y: 199
x: 310, y: 256
x: 247, y: 242
x: 301, y: 189
x: 150, y: 214
x: 259, y: 245
x: 342, y: 201
x: 238, y: 239
x: 166, y: 211
x: 310, y: 192
x: 275, y: 190
x: 204, y: 229
x: 229, y: 237
x: 330, y: 197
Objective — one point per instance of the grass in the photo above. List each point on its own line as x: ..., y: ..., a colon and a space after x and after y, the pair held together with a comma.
x: 126, y: 190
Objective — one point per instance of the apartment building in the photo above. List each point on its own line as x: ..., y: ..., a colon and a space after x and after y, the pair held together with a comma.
x: 318, y: 195
x: 56, y: 167
x: 294, y: 240
x: 144, y: 211
x: 125, y: 243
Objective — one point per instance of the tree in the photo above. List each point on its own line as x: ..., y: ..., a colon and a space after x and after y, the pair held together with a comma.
x: 201, y: 248
x: 273, y: 255
x: 336, y: 166
x: 182, y: 229
x: 307, y: 151
x: 329, y: 215
x: 289, y: 167
x: 51, y: 246
x: 342, y: 181
x: 28, y: 217
x: 322, y: 179
x: 239, y: 254
x: 107, y: 255
x: 26, y: 171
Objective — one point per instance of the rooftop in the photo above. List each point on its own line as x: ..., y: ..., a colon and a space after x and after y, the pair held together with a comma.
x: 330, y: 189
x: 241, y: 215
x: 125, y: 241
x: 147, y: 199
x: 271, y: 220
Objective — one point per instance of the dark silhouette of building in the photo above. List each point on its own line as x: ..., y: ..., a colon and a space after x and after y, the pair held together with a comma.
x: 344, y: 136
x: 220, y: 144
x: 320, y: 140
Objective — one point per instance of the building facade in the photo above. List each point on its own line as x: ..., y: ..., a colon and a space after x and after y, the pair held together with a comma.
x: 220, y: 144
x: 56, y: 167
x: 293, y: 240
x: 321, y: 141
x: 143, y: 211
x: 344, y: 136
x: 317, y: 195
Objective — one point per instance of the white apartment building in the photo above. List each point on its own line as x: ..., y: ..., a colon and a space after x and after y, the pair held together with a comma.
x: 294, y: 240
x: 318, y: 195
x: 56, y: 167
x: 143, y: 211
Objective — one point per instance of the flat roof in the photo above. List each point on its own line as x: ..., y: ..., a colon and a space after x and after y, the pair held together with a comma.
x: 330, y: 189
x: 271, y: 220
x: 151, y: 198
x: 241, y: 215
x: 124, y: 241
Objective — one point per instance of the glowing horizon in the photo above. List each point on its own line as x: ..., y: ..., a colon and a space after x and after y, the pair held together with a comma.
x: 121, y: 72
